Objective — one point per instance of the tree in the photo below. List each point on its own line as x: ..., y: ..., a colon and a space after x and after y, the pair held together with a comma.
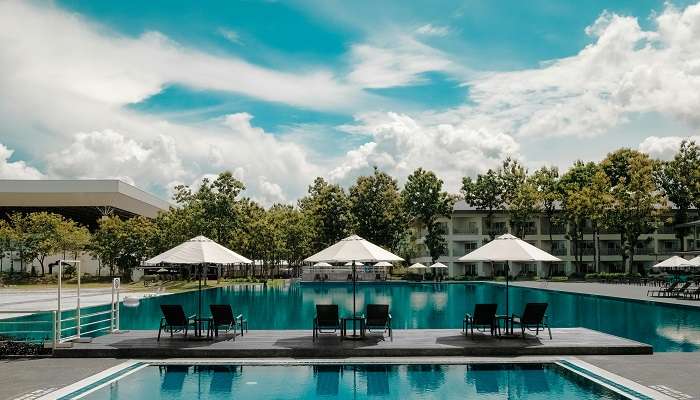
x: 124, y: 244
x: 546, y: 180
x: 522, y: 205
x: 327, y: 208
x: 486, y: 194
x: 679, y: 179
x: 213, y: 206
x: 638, y: 204
x: 425, y: 202
x: 375, y: 203
x: 573, y: 213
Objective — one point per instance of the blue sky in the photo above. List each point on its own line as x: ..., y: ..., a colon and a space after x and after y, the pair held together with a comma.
x: 165, y: 92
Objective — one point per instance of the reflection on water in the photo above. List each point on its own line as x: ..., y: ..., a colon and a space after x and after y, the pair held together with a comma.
x: 412, y: 305
x: 492, y: 381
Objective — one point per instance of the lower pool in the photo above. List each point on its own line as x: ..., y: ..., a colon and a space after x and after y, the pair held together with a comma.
x: 479, y: 381
x: 419, y: 305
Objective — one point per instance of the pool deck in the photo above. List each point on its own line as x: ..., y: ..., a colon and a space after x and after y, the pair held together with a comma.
x: 406, y: 343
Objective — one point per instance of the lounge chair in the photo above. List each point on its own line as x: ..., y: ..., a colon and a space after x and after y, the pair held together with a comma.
x: 663, y: 291
x: 681, y: 291
x: 222, y: 316
x: 533, y: 317
x: 327, y: 319
x: 378, y: 318
x: 693, y: 293
x: 484, y: 316
x: 175, y: 320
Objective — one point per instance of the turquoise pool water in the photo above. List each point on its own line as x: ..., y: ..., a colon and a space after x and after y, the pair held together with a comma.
x: 476, y: 381
x: 667, y: 328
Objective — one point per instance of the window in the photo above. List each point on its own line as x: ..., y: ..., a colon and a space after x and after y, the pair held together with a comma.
x: 556, y: 269
x: 530, y: 228
x: 499, y: 228
x: 528, y: 269
x: 470, y: 269
x: 559, y: 247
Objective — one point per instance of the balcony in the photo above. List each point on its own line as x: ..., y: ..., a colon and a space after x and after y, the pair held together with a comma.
x: 465, y: 230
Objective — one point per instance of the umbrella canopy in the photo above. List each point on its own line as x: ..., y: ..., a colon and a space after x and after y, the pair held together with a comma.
x: 349, y: 264
x: 417, y: 267
x: 199, y: 250
x: 695, y: 262
x: 162, y: 271
x: 439, y: 265
x: 508, y: 248
x: 322, y: 264
x: 675, y: 262
x: 383, y: 264
x: 353, y: 248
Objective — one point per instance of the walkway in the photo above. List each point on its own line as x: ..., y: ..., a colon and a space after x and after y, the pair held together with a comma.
x: 633, y: 292
x: 409, y: 342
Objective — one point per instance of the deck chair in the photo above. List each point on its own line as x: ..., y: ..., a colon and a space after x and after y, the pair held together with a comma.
x: 693, y: 293
x: 681, y: 291
x: 663, y: 291
x: 327, y: 319
x: 533, y: 317
x: 175, y: 320
x: 484, y: 317
x: 222, y: 316
x: 378, y: 318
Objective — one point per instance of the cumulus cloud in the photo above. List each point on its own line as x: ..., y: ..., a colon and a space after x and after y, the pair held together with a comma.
x: 401, y: 143
x: 15, y: 169
x: 664, y: 148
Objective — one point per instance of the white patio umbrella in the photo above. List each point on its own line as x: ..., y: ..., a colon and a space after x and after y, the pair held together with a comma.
x: 383, y: 264
x: 676, y: 262
x: 198, y: 251
x: 353, y: 249
x: 417, y: 267
x: 322, y: 264
x: 350, y: 263
x: 508, y: 248
x: 439, y: 265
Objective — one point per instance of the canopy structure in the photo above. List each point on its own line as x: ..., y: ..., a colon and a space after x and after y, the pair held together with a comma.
x: 199, y: 251
x: 383, y: 264
x: 677, y: 262
x: 354, y: 250
x: 322, y: 264
x: 439, y: 265
x: 350, y: 264
x: 417, y: 267
x: 508, y: 248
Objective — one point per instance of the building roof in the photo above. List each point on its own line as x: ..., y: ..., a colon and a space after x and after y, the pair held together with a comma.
x: 113, y: 194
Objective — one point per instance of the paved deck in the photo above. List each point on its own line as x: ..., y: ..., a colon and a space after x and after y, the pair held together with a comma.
x: 632, y: 292
x: 299, y: 344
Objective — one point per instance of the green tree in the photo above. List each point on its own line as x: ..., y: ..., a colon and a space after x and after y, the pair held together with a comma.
x: 375, y: 202
x: 679, y: 179
x: 327, y: 208
x: 638, y: 204
x: 425, y: 203
x: 486, y: 194
x: 523, y: 204
x: 546, y: 180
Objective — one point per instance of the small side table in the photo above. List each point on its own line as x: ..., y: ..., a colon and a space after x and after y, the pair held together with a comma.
x: 344, y: 327
x: 507, y: 321
x: 199, y: 322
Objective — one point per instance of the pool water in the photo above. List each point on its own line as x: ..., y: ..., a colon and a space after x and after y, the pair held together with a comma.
x: 665, y: 327
x: 480, y: 381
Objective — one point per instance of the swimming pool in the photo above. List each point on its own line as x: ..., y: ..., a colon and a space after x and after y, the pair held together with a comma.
x: 338, y: 381
x: 665, y: 327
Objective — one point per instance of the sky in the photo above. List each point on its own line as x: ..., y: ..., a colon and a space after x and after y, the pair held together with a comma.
x: 161, y: 93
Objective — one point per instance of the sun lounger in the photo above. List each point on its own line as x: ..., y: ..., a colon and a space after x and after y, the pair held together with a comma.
x: 533, y: 317
x: 680, y: 292
x: 327, y: 319
x: 484, y: 317
x: 175, y: 320
x: 693, y: 293
x: 663, y: 291
x: 222, y: 316
x: 378, y: 318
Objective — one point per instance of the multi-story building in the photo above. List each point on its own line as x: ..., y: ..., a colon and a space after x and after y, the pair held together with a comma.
x: 466, y: 230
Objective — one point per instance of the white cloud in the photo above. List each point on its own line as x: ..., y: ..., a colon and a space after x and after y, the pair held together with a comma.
x: 15, y: 169
x: 433, y: 30
x: 398, y: 63
x: 230, y: 35
x: 401, y: 143
x: 664, y: 148
x: 109, y: 154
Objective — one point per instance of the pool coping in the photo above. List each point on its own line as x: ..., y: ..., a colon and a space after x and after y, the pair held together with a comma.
x: 618, y: 384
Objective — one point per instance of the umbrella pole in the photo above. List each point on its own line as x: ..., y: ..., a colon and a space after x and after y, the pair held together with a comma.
x: 354, y: 285
x: 507, y: 277
x: 199, y: 306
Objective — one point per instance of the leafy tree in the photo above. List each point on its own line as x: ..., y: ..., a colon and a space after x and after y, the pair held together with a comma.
x: 425, y: 202
x: 327, y: 208
x: 486, y: 194
x: 679, y: 179
x: 124, y: 244
x: 545, y: 181
x: 249, y: 238
x: 573, y: 213
x: 523, y: 204
x: 375, y: 202
x: 638, y: 204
